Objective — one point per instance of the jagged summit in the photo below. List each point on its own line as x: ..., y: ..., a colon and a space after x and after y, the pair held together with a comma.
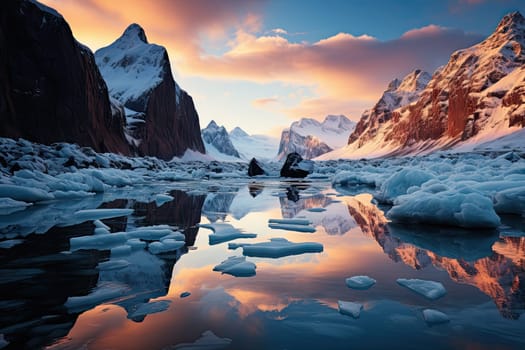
x: 212, y: 125
x: 217, y: 140
x: 238, y: 132
x: 513, y: 21
x: 133, y: 32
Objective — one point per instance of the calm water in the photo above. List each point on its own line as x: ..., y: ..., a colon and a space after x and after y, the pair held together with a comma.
x: 291, y: 302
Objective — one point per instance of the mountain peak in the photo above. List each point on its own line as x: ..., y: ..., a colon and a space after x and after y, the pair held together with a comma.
x: 212, y: 125
x: 511, y: 21
x: 133, y: 34
x: 238, y: 132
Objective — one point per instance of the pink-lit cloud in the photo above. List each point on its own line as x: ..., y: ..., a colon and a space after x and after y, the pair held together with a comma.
x: 262, y: 102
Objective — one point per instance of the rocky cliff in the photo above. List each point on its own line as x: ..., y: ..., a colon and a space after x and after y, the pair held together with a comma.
x: 161, y: 119
x: 50, y: 87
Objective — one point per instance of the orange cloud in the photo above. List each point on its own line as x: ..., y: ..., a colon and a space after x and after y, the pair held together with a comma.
x: 262, y: 102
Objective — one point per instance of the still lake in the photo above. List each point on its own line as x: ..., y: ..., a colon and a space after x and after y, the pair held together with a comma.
x: 175, y: 300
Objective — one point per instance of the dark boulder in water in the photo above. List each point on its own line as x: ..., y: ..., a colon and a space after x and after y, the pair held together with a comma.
x: 296, y: 167
x: 255, y: 169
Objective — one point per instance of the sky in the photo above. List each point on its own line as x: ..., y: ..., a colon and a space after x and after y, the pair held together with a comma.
x: 261, y: 64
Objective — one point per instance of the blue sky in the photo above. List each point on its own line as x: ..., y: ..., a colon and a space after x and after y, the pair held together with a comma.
x: 262, y: 64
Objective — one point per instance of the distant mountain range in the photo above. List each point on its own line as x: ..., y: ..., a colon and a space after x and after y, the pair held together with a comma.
x: 476, y: 98
x: 311, y: 138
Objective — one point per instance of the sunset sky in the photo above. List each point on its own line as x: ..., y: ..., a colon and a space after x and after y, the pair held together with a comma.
x: 262, y: 64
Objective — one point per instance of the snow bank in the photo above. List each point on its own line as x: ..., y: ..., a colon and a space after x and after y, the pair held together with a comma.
x: 237, y: 266
x: 360, y: 282
x: 429, y: 289
x: 399, y: 182
x: 277, y: 248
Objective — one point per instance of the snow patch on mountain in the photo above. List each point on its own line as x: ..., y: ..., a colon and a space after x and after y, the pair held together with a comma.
x: 261, y: 147
x: 217, y: 142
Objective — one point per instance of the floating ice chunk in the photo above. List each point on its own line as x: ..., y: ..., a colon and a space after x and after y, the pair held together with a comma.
x: 429, y: 289
x: 150, y: 233
x: 178, y: 236
x: 510, y: 201
x: 101, y: 242
x: 121, y: 250
x: 316, y: 210
x: 237, y: 266
x: 72, y: 194
x: 112, y: 265
x: 360, y: 282
x: 208, y: 340
x: 399, y: 182
x: 168, y: 245
x: 291, y: 227
x: 277, y: 248
x: 101, y: 231
x: 149, y: 308
x: 136, y: 243
x: 103, y: 293
x: 10, y: 243
x: 349, y: 308
x: 185, y: 294
x: 225, y: 232
x: 290, y: 221
x: 9, y: 205
x: 453, y: 208
x: 24, y: 194
x: 100, y: 224
x: 94, y: 214
x: 160, y: 199
x: 432, y: 317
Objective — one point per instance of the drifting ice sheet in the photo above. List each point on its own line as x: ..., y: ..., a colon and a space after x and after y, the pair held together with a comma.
x: 224, y: 233
x: 429, y: 289
x: 236, y: 266
x: 101, y: 294
x: 304, y: 222
x: 277, y: 248
x: 150, y: 308
x: 349, y: 308
x: 291, y: 227
x: 98, y: 214
x: 360, y: 282
x: 432, y: 317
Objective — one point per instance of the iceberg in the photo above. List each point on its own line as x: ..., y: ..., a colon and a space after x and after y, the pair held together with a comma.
x: 360, y: 282
x: 349, y: 308
x: 277, y: 248
x: 237, y: 266
x: 429, y: 289
x: 224, y: 233
x: 433, y: 317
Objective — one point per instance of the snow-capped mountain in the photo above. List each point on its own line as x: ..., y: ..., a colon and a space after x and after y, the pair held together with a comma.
x: 217, y: 142
x: 50, y: 87
x: 161, y: 117
x: 478, y: 96
x: 310, y: 138
x: 261, y: 147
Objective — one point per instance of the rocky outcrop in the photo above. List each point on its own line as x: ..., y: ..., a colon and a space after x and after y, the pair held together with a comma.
x: 50, y: 87
x: 296, y: 167
x: 254, y: 168
x: 161, y: 117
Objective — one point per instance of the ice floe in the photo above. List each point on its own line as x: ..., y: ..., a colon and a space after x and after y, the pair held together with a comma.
x: 167, y: 245
x: 429, y: 289
x: 349, y: 308
x: 98, y: 214
x: 433, y: 317
x: 360, y: 282
x: 303, y: 222
x: 149, y: 308
x: 112, y: 264
x: 292, y: 227
x: 184, y: 294
x: 103, y: 293
x: 277, y: 248
x: 236, y: 266
x: 225, y: 232
x: 24, y: 194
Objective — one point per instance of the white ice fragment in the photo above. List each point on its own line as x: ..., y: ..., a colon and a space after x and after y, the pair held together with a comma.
x: 225, y: 232
x: 277, y: 248
x: 399, y: 182
x: 103, y: 293
x: 292, y: 227
x: 150, y: 308
x: 150, y: 233
x: 71, y: 194
x: 432, y: 317
x: 360, y: 282
x: 101, y: 242
x: 101, y: 231
x: 136, y: 243
x: 100, y: 224
x: 429, y: 289
x: 316, y: 209
x: 510, y: 201
x: 162, y: 198
x: 178, y: 236
x: 290, y: 221
x: 349, y: 308
x: 98, y: 214
x: 165, y: 246
x: 207, y: 341
x: 9, y: 205
x: 237, y: 266
x: 121, y: 250
x: 24, y: 194
x: 112, y: 265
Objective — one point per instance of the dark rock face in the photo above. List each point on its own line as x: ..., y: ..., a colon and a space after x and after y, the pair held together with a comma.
x: 254, y: 168
x: 292, y: 168
x: 218, y: 137
x: 50, y: 87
